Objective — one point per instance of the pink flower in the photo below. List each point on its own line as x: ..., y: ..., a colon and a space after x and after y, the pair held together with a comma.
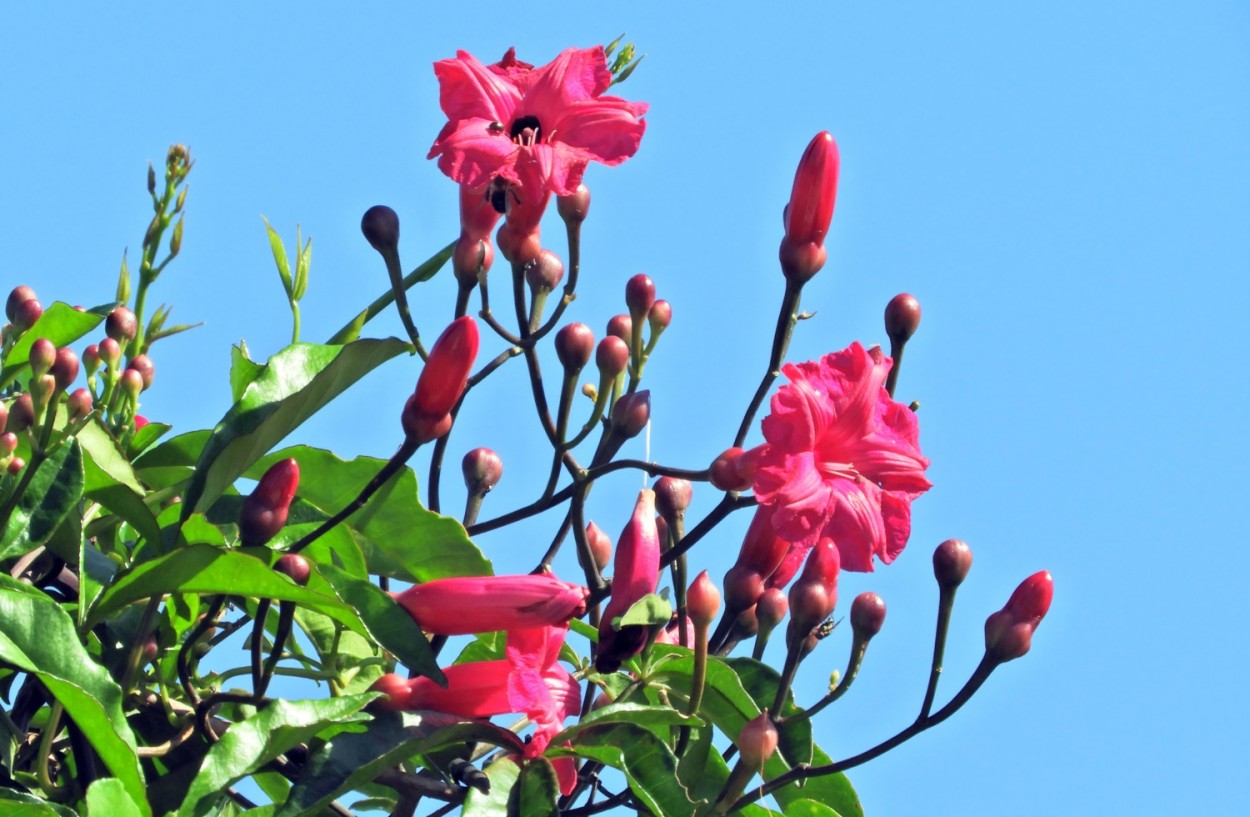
x: 483, y: 604
x: 536, y: 128
x: 635, y: 573
x: 842, y: 459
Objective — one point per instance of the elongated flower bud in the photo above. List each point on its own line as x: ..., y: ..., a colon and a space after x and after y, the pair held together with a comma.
x: 639, y: 296
x: 702, y: 600
x: 42, y: 356
x: 427, y: 415
x: 635, y: 573
x: 265, y: 511
x: 483, y: 604
x: 810, y: 209
x: 65, y: 367
x: 734, y: 469
x: 815, y: 592
x: 611, y: 356
x: 600, y: 545
x: 757, y: 741
x: 1009, y: 632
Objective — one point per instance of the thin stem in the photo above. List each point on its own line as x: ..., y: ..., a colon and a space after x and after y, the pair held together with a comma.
x: 858, y: 649
x: 946, y: 603
x: 787, y: 317
x: 257, y: 647
x: 896, y: 354
x: 421, y: 273
x: 395, y: 272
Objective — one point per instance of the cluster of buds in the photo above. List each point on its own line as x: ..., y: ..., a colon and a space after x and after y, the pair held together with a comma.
x: 116, y: 385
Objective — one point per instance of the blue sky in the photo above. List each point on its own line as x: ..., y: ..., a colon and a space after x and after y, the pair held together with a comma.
x: 1061, y: 185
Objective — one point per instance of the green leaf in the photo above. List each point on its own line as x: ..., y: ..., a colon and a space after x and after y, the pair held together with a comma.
x: 536, y: 791
x: 399, y: 537
x: 351, y: 649
x: 388, y: 623
x: 809, y: 808
x: 40, y: 638
x: 302, y: 265
x: 503, y: 775
x: 279, y: 256
x: 657, y: 719
x: 53, y: 491
x: 60, y: 323
x: 110, y: 480
x: 109, y: 798
x: 834, y: 790
x: 760, y: 682
x: 648, y: 611
x: 648, y: 764
x: 123, y: 280
x: 251, y: 743
x: 170, y: 463
x: 17, y: 804
x: 351, y: 759
x: 243, y: 370
x: 296, y: 383
x: 422, y: 273
x: 143, y: 438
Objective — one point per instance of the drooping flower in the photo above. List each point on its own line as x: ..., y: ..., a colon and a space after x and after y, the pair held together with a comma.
x: 842, y: 459
x: 482, y: 604
x: 535, y: 128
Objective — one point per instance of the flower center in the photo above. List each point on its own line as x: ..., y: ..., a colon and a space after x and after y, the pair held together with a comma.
x: 842, y: 470
x: 526, y: 131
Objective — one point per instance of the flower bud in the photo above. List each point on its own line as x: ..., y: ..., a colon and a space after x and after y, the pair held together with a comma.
x: 951, y: 562
x: 91, y: 359
x: 110, y: 352
x: 771, y: 609
x: 518, y: 245
x: 42, y: 356
x: 600, y: 545
x: 631, y: 413
x: 295, y: 566
x: 1009, y: 632
x: 394, y: 689
x: 472, y: 257
x: 757, y: 741
x: 612, y: 356
x: 621, y: 326
x: 639, y: 296
x: 144, y: 366
x: 21, y: 413
x: 26, y: 314
x: 16, y: 465
x: 867, y: 615
x: 635, y: 573
x: 734, y: 469
x: 79, y: 404
x: 743, y: 588
x: 574, y: 208
x: 65, y: 367
x: 702, y: 601
x: 140, y: 421
x: 660, y: 316
x: 482, y: 470
x: 442, y: 381
x: 545, y: 272
x: 19, y: 295
x: 762, y: 549
x: 902, y: 317
x: 815, y: 190
x: 746, y: 625
x: 265, y: 511
x: 8, y: 443
x: 121, y: 325
x: 4, y: 417
x: 380, y: 225
x: 672, y: 496
x: 815, y: 593
x: 574, y: 345
x: 132, y: 383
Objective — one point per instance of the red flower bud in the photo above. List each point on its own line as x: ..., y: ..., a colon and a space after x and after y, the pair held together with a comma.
x: 702, y: 600
x: 144, y: 366
x: 631, y: 413
x: 79, y: 404
x: 16, y: 465
x: 574, y: 209
x: 471, y: 258
x: 380, y: 225
x: 19, y: 295
x: 42, y: 356
x: 395, y: 693
x: 734, y: 469
x: 815, y: 189
x: 600, y: 545
x: 8, y: 443
x: 65, y: 367
x: 91, y: 359
x: 757, y: 741
x: 867, y: 615
x: 482, y: 470
x: 660, y: 316
x: 772, y: 608
x: 902, y: 317
x: 672, y: 496
x: 121, y: 325
x: 442, y: 381
x: 612, y: 356
x: 621, y: 326
x: 545, y: 272
x: 110, y: 352
x: 21, y: 413
x: 26, y: 313
x: 639, y: 296
x: 1009, y: 632
x: 951, y: 562
x: 815, y: 593
x: 265, y: 511
x: 743, y: 588
x: 635, y: 572
x: 574, y: 345
x: 295, y: 566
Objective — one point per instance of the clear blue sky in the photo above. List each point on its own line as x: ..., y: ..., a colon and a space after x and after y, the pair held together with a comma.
x: 1062, y: 185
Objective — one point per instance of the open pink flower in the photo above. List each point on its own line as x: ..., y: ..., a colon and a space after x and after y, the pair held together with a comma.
x: 842, y: 459
x: 536, y: 128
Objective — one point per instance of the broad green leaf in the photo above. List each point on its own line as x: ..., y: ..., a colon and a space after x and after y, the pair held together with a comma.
x: 110, y: 480
x: 648, y: 611
x: 399, y: 537
x: 760, y: 682
x: 484, y: 647
x: 243, y: 370
x: 40, y: 638
x: 351, y: 759
x: 536, y: 791
x: 53, y: 491
x: 171, y: 462
x: 834, y: 790
x: 60, y: 323
x: 109, y: 798
x: 657, y: 719
x: 649, y: 765
x: 388, y: 623
x: 143, y: 437
x: 17, y: 804
x: 809, y: 808
x: 296, y: 383
x: 251, y: 743
x: 503, y: 775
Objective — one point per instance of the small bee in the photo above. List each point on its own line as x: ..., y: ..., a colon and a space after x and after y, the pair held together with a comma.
x: 497, y: 194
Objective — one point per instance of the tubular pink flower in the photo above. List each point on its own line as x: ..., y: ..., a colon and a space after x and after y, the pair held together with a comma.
x: 535, y: 128
x: 635, y: 573
x: 483, y: 604
x: 842, y: 459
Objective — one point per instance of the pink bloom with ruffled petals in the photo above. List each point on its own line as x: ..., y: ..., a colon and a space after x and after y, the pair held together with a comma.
x: 842, y: 458
x: 536, y: 128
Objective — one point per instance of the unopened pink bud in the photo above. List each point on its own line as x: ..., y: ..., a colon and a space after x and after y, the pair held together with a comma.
x: 757, y: 741
x: 772, y: 608
x: 902, y: 317
x: 734, y: 469
x: 612, y: 356
x: 132, y: 383
x: 702, y: 600
x: 91, y: 359
x: 380, y: 225
x: 16, y: 465
x: 121, y: 325
x: 672, y: 496
x: 472, y: 257
x: 79, y: 404
x: 145, y: 367
x: 443, y: 380
x: 394, y: 689
x: 1009, y: 632
x: 631, y: 413
x: 265, y: 511
x: 42, y: 356
x: 19, y: 295
x: 867, y: 615
x: 65, y: 367
x: 743, y: 588
x: 8, y: 443
x: 482, y: 470
x: 815, y: 593
x: 600, y: 545
x: 635, y: 572
x: 951, y: 562
x: 22, y: 413
x: 26, y: 314
x: 295, y: 566
x: 110, y: 352
x: 639, y: 296
x: 814, y: 192
x: 574, y: 209
x: 574, y: 345
x: 482, y: 604
x: 621, y: 326
x: 545, y: 272
x: 660, y: 316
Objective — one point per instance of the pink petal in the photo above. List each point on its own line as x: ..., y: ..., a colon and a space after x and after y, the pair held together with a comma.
x: 473, y: 156
x: 856, y: 526
x: 470, y: 90
x: 573, y: 75
x: 608, y: 128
